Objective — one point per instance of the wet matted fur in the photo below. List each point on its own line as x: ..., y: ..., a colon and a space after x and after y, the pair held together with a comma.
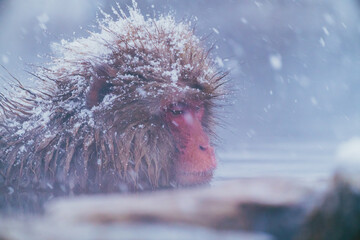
x: 96, y: 123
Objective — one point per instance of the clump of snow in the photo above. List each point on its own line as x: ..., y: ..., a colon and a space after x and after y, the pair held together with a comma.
x: 303, y: 80
x: 49, y: 186
x: 216, y: 31
x: 275, y: 61
x: 314, y: 101
x: 329, y: 19
x: 108, y: 100
x: 219, y: 62
x: 22, y: 149
x: 173, y: 74
x: 175, y: 123
x: 349, y: 151
x: 10, y: 190
x: 326, y: 31
x: 43, y: 19
x: 5, y: 59
x: 322, y: 42
x: 141, y: 91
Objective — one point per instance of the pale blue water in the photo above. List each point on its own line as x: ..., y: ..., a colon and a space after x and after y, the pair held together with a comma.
x: 302, y: 161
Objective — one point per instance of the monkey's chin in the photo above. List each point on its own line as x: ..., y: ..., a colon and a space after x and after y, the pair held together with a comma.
x: 186, y: 179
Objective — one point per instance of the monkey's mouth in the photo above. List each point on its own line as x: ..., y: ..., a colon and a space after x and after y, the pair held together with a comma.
x: 194, y: 178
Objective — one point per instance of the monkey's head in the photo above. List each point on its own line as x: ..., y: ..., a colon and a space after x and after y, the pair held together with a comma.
x: 138, y: 100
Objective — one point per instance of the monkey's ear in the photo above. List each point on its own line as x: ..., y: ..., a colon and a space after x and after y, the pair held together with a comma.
x: 100, y: 85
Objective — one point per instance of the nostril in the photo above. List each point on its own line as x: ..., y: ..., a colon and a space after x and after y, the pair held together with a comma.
x: 202, y: 148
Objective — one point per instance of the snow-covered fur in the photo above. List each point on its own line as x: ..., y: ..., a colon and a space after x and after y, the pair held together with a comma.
x: 72, y: 136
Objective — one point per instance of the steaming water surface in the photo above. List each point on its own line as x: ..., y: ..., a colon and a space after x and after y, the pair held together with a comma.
x: 304, y: 161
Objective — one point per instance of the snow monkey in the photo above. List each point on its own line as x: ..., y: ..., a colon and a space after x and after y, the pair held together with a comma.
x: 128, y: 108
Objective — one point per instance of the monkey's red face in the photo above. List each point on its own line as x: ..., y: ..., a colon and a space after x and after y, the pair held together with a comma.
x: 196, y: 161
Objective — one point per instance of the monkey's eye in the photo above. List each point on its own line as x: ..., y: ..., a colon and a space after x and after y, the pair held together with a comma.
x: 177, y: 109
x: 176, y: 112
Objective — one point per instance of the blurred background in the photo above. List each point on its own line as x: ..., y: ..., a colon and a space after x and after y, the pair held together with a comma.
x: 294, y: 69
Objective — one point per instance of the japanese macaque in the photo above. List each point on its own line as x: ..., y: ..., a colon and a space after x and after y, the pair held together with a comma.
x: 128, y: 108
